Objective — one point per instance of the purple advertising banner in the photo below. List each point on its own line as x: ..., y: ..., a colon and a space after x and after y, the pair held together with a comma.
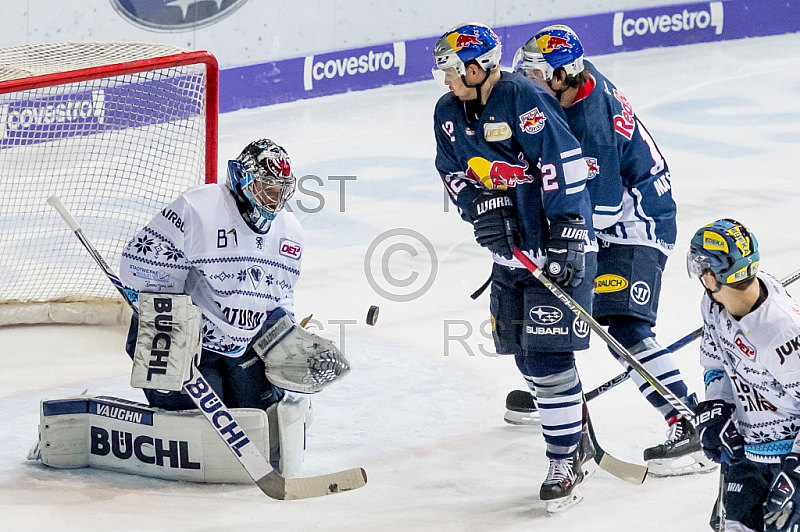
x: 96, y: 108
x: 408, y: 61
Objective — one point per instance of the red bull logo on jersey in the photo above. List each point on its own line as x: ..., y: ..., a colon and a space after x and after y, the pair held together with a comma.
x: 624, y: 122
x: 532, y: 122
x: 498, y: 174
x: 594, y: 168
x: 551, y: 43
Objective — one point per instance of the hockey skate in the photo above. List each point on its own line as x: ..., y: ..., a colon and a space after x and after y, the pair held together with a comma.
x: 681, y: 454
x: 520, y: 409
x: 561, y: 489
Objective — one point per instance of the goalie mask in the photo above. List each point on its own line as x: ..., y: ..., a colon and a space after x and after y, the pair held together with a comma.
x: 727, y: 249
x: 261, y: 180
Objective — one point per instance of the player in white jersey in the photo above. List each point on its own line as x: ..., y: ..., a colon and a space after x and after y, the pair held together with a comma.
x: 235, y: 250
x: 751, y: 357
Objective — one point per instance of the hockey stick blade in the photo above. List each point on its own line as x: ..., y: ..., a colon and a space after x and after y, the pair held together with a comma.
x: 290, y: 489
x: 673, y: 347
x: 626, y: 471
x: 213, y: 409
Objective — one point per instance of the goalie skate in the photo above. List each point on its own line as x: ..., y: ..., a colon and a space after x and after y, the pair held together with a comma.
x: 680, y: 454
x: 520, y: 409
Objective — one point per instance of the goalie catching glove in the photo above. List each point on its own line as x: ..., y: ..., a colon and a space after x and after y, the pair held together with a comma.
x: 566, y: 264
x: 296, y: 359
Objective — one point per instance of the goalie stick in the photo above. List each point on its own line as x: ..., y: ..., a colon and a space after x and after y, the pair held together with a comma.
x: 196, y: 387
x: 675, y: 346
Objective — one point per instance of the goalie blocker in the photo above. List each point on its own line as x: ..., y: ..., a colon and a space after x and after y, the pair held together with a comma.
x: 129, y: 437
x: 167, y: 340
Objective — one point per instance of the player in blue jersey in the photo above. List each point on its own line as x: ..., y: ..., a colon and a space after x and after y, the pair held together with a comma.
x: 516, y: 173
x: 634, y: 215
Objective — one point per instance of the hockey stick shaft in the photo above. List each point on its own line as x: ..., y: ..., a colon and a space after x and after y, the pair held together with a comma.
x: 55, y: 202
x: 612, y: 342
x: 223, y: 422
x: 675, y: 346
x: 722, y: 494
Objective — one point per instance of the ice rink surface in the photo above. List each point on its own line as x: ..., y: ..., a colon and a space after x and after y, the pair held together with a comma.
x: 422, y: 409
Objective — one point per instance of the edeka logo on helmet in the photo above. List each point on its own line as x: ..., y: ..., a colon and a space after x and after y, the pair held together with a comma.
x: 727, y: 249
x: 667, y: 21
x: 372, y: 64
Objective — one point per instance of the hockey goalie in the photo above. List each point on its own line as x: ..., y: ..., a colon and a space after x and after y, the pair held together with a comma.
x: 212, y: 279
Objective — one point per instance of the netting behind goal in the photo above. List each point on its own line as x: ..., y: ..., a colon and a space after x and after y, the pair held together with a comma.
x: 117, y: 131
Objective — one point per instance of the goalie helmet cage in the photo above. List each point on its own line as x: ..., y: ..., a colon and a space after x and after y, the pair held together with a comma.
x: 117, y: 131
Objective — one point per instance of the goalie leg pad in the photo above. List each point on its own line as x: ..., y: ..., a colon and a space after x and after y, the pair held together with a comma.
x: 128, y: 437
x: 168, y: 338
x: 291, y: 412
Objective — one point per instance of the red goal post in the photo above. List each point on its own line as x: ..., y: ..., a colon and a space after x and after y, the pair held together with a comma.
x: 117, y: 131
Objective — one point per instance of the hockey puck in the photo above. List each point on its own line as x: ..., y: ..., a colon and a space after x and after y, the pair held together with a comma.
x: 372, y: 315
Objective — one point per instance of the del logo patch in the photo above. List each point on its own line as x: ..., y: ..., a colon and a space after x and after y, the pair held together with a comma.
x: 495, y: 132
x: 290, y: 248
x: 745, y: 347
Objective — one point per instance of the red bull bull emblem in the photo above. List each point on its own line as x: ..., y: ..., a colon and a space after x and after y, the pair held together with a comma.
x: 532, y: 121
x: 552, y: 43
x: 498, y: 174
x: 594, y: 168
x: 462, y: 40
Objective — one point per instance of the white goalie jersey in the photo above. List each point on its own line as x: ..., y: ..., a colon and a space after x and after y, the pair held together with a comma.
x: 760, y: 354
x: 201, y: 246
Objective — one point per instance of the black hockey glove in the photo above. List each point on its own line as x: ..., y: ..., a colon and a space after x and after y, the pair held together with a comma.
x: 495, y: 222
x: 782, y: 507
x: 717, y: 431
x: 565, y: 260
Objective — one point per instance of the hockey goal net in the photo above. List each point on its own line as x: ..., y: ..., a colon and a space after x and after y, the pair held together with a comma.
x: 117, y: 131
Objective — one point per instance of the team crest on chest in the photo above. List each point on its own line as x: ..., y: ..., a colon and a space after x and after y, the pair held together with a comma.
x: 256, y: 274
x: 532, y: 122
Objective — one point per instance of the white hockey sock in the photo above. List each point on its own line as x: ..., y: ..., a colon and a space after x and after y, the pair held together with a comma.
x: 661, y: 364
